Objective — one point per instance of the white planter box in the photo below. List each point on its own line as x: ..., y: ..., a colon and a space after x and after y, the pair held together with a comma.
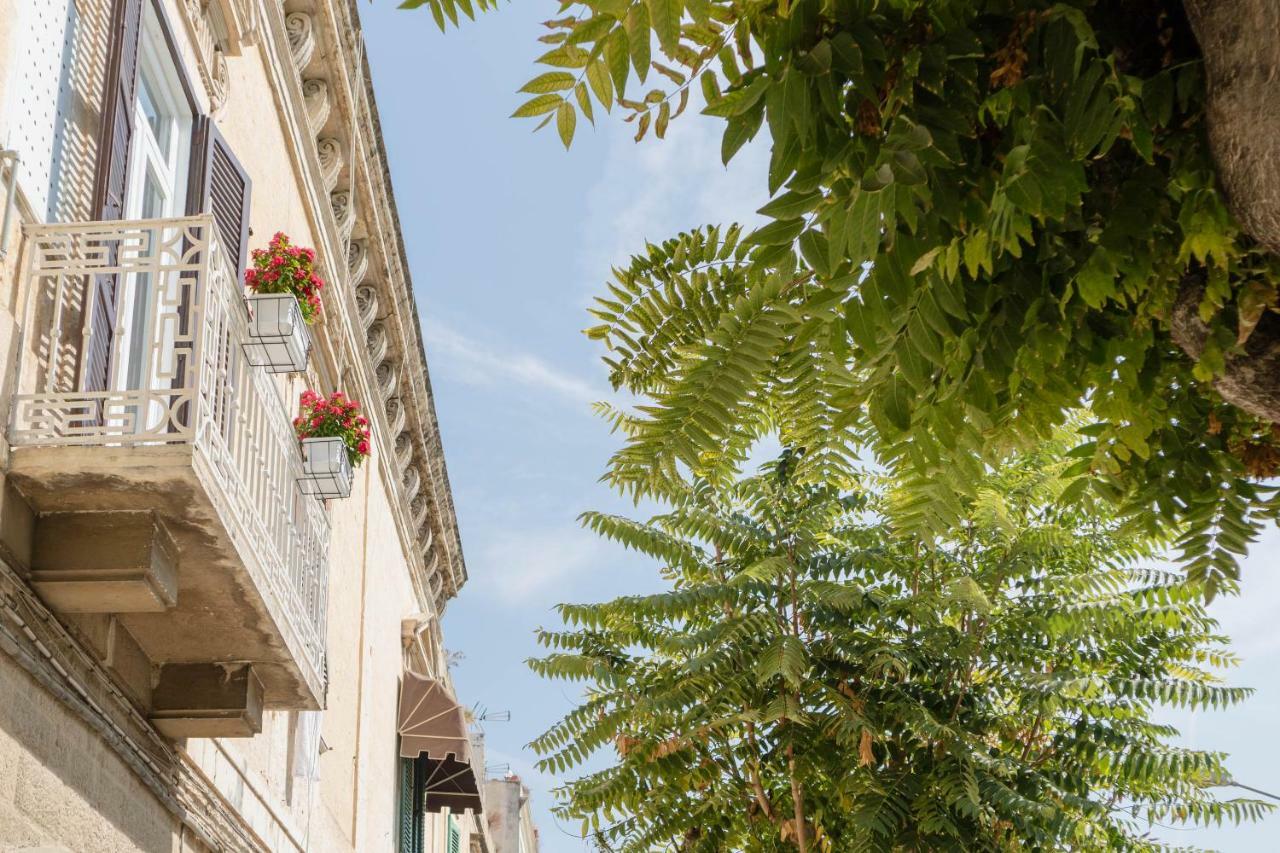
x: 278, y: 337
x: 326, y: 468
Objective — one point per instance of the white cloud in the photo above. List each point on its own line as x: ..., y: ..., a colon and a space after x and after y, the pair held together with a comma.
x: 518, y: 568
x: 479, y: 362
x: 660, y: 187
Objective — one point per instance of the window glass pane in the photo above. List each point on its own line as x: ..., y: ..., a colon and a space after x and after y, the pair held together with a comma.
x: 153, y: 195
x: 158, y: 119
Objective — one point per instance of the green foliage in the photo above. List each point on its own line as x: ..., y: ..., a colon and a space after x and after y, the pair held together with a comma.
x: 983, y: 216
x: 989, y: 689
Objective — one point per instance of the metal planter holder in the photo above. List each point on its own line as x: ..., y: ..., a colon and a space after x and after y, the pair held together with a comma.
x: 326, y: 468
x: 278, y: 337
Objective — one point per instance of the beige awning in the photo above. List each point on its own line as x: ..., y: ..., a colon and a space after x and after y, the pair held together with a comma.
x: 432, y: 722
x: 433, y: 732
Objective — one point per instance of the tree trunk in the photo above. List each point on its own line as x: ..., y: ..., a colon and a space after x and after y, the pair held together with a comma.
x: 1240, y: 40
x: 1251, y: 380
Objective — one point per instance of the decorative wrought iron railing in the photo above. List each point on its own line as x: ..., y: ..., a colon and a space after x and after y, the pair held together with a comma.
x: 169, y: 368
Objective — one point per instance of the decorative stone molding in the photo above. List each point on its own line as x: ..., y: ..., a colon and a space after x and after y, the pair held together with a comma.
x: 332, y: 160
x: 302, y: 38
x: 357, y: 260
x: 367, y: 303
x: 436, y: 583
x: 395, y: 414
x: 419, y: 507
x: 411, y: 481
x: 404, y: 449
x: 344, y: 212
x: 426, y: 536
x: 388, y: 376
x: 315, y: 96
x: 376, y: 342
x: 208, y: 30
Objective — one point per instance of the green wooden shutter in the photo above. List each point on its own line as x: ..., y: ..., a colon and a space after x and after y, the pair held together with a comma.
x: 409, y: 807
x: 455, y: 837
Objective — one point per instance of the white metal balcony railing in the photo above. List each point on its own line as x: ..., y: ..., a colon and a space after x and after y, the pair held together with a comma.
x: 177, y: 374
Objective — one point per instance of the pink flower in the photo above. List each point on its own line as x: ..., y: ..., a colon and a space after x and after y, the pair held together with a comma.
x: 362, y: 448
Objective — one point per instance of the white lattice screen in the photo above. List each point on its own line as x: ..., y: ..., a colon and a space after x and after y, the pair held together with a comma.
x: 38, y: 105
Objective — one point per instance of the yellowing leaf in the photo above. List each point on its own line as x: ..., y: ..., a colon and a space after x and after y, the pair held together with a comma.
x: 537, y: 106
x: 566, y: 119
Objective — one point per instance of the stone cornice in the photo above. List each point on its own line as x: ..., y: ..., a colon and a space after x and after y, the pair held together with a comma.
x: 371, y: 337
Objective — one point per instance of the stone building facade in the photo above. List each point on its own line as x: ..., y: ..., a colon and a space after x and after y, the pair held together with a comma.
x: 195, y: 653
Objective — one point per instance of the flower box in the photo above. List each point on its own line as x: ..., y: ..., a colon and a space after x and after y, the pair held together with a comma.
x: 326, y: 468
x: 278, y: 337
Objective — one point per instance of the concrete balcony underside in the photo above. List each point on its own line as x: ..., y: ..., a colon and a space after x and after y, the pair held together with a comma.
x: 222, y: 611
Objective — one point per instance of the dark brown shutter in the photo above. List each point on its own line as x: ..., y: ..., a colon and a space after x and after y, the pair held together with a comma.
x: 113, y: 169
x: 220, y: 185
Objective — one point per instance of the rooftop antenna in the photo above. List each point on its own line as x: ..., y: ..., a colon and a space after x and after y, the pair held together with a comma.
x: 480, y: 713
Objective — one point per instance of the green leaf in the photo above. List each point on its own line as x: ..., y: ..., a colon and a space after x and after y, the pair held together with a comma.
x: 791, y: 204
x: 537, y: 106
x: 637, y: 27
x: 584, y: 101
x: 616, y: 54
x: 776, y: 233
x: 735, y: 102
x: 566, y: 118
x: 665, y: 15
x: 552, y: 81
x: 601, y: 85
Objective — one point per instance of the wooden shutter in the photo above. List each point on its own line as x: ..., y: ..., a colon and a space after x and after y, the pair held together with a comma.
x: 220, y: 185
x: 114, y: 142
x: 409, y: 811
x: 455, y: 837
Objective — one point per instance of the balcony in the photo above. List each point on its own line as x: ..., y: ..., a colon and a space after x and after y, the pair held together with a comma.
x: 169, y: 498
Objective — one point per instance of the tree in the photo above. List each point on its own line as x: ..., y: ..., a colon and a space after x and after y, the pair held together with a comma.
x: 986, y: 214
x: 813, y: 680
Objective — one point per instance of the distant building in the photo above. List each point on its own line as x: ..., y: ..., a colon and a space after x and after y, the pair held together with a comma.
x: 509, y: 816
x: 197, y: 653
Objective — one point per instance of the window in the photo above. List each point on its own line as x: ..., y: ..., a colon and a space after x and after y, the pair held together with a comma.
x: 155, y: 188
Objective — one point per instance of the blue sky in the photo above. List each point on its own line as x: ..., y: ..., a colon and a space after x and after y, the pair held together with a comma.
x: 508, y: 238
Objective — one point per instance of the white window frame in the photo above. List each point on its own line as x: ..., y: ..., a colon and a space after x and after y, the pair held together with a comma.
x: 151, y: 367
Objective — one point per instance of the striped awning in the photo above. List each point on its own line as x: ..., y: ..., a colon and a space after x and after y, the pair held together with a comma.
x: 433, y: 732
x: 432, y: 722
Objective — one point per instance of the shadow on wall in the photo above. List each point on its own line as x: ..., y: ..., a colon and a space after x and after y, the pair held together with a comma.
x: 60, y: 784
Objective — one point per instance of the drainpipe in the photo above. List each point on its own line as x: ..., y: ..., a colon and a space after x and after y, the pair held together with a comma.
x: 10, y: 191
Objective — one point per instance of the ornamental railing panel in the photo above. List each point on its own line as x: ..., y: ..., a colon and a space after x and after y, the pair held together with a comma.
x: 170, y: 368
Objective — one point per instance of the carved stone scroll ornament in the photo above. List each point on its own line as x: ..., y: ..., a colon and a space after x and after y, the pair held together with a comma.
x: 418, y: 510
x: 343, y: 203
x: 388, y: 376
x: 302, y: 38
x: 315, y: 95
x: 395, y: 414
x: 357, y: 260
x: 404, y: 449
x: 412, y: 482
x: 377, y: 344
x: 332, y: 160
x: 367, y: 304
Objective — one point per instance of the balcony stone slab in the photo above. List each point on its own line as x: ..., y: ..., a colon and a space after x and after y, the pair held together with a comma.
x: 221, y: 612
x: 104, y: 562
x: 207, y: 700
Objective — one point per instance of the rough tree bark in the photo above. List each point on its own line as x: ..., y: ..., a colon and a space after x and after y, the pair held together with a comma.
x: 1240, y: 40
